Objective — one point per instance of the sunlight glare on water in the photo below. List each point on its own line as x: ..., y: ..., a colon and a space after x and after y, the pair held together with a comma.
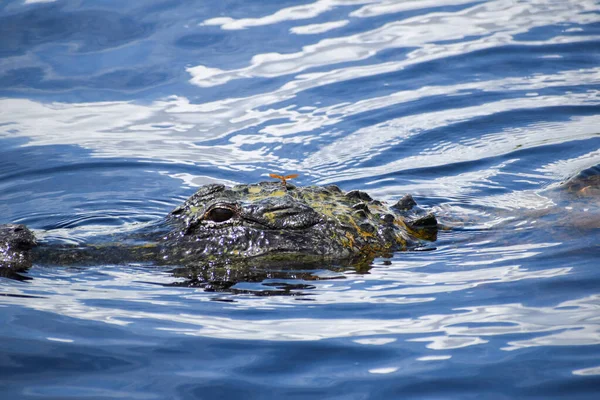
x: 112, y: 114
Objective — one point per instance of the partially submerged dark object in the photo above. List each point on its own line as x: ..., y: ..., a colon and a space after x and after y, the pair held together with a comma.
x: 16, y: 242
x: 222, y: 235
x: 228, y: 232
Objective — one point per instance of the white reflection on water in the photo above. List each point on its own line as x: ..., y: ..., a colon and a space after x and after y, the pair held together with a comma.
x: 314, y: 29
x: 587, y: 371
x: 434, y: 358
x: 173, y: 129
x: 448, y: 343
x: 562, y: 169
x: 492, y: 24
x: 385, y: 370
x: 375, y: 341
x: 305, y: 11
x: 312, y: 10
x: 383, y: 7
x: 118, y: 129
x: 38, y: 1
x: 367, y: 143
x: 72, y: 294
x: 575, y: 325
x: 573, y: 322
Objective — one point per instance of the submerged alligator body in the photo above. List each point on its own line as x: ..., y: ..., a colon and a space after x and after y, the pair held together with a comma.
x: 265, y: 224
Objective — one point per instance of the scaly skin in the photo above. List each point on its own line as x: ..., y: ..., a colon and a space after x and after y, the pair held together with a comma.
x: 267, y: 224
x: 16, y: 242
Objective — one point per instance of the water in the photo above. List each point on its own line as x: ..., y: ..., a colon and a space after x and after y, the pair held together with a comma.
x: 112, y: 113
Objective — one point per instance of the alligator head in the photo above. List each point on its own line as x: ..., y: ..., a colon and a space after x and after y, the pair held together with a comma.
x: 281, y: 222
x: 226, y: 233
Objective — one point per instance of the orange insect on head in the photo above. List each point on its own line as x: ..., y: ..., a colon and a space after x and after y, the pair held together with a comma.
x: 282, y: 178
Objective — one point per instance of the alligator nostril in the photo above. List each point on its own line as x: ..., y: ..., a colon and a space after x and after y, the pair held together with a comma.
x: 358, y: 194
x: 406, y: 203
x: 178, y: 210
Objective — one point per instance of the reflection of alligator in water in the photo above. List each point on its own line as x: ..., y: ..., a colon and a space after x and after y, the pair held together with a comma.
x: 224, y: 233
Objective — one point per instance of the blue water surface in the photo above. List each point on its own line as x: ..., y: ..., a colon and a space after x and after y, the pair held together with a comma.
x: 112, y: 113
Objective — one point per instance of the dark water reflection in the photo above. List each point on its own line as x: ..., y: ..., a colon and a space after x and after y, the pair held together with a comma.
x: 111, y: 114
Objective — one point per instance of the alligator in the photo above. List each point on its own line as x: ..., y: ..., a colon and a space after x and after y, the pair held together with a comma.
x: 224, y: 231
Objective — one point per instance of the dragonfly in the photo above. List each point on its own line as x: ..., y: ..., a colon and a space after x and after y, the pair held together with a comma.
x: 283, y: 178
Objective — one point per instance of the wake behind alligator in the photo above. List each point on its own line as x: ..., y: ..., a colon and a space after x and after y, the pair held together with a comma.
x: 224, y: 233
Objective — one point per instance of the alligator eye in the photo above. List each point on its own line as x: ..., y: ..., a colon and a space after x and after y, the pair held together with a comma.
x: 219, y: 214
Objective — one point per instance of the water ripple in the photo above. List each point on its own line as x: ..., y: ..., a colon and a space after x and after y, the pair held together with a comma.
x: 492, y: 23
x: 481, y: 109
